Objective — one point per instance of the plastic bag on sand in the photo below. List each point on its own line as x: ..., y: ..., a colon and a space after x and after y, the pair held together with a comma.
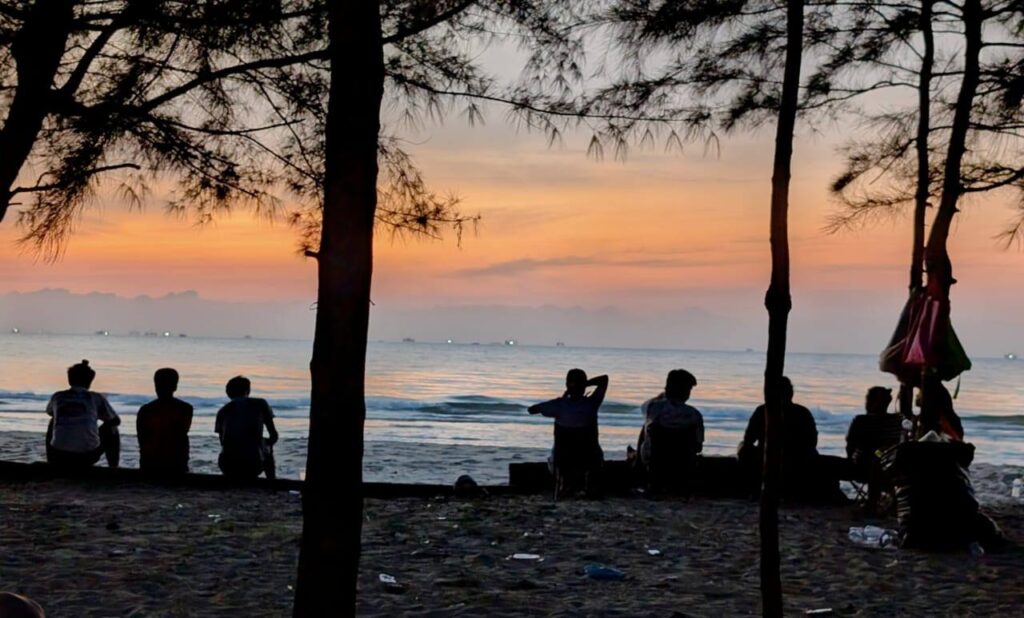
x: 604, y: 573
x: 873, y: 537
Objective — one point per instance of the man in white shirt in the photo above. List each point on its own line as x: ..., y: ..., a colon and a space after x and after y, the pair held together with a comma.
x: 75, y: 439
x: 673, y: 427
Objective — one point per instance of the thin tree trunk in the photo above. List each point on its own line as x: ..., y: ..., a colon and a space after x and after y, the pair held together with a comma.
x: 940, y: 268
x: 332, y: 498
x: 924, y: 121
x: 778, y: 303
x: 37, y: 51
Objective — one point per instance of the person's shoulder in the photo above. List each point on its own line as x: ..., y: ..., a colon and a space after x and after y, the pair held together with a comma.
x: 691, y: 409
x: 181, y: 404
x: 98, y: 396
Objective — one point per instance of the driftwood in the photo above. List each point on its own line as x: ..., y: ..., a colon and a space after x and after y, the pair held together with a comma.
x: 715, y: 476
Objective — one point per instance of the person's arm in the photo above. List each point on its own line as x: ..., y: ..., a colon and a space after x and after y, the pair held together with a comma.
x: 547, y: 408
x: 268, y: 420
x: 601, y: 384
x: 105, y: 412
x: 218, y: 425
x: 51, y: 407
x: 754, y: 433
x: 187, y: 422
x: 700, y: 432
x: 139, y: 426
x: 851, y: 438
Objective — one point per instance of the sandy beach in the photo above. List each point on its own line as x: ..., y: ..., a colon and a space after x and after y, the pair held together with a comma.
x: 142, y: 550
x: 385, y: 461
x: 139, y: 550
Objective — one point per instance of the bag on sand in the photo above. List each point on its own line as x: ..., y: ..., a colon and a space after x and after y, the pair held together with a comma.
x: 935, y: 504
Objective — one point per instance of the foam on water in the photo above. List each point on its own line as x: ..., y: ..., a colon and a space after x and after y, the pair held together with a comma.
x: 447, y: 394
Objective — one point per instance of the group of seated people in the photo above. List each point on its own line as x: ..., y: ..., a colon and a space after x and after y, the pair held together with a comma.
x: 83, y: 428
x: 673, y: 435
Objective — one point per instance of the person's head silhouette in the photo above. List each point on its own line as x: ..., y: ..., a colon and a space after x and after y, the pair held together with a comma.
x: 878, y: 400
x: 678, y: 384
x: 166, y: 382
x: 238, y: 386
x: 576, y: 383
x: 786, y: 390
x: 81, y: 375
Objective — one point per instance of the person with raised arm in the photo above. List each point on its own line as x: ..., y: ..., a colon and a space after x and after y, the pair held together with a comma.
x: 576, y: 456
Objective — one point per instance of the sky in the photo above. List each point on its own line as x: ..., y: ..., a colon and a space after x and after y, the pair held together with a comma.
x: 665, y: 250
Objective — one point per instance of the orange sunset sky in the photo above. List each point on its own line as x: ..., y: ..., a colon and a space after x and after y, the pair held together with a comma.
x: 659, y: 235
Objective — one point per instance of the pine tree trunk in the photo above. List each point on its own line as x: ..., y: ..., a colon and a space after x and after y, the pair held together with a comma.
x: 37, y: 51
x: 778, y: 303
x: 924, y: 121
x: 940, y: 268
x: 332, y: 498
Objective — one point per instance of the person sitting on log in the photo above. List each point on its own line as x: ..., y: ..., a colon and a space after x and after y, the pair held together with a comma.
x: 162, y: 426
x: 672, y: 435
x: 871, y: 434
x: 799, y: 435
x: 74, y: 437
x: 576, y: 455
x: 245, y: 453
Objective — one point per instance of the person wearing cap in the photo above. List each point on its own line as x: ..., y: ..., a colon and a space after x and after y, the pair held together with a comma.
x: 75, y: 438
x: 162, y: 426
x: 869, y: 435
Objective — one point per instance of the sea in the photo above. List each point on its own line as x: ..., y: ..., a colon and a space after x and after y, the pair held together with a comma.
x: 477, y: 395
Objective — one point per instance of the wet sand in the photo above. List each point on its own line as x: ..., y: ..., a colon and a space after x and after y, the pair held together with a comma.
x: 141, y: 550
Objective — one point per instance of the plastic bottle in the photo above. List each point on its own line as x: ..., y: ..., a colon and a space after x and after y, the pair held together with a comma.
x: 1018, y: 488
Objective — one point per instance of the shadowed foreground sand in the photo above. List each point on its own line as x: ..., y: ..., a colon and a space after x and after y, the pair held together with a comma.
x: 144, y: 551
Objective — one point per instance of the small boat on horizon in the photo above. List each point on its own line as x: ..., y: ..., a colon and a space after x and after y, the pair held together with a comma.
x: 103, y: 333
x: 15, y: 330
x: 1011, y: 356
x: 408, y: 340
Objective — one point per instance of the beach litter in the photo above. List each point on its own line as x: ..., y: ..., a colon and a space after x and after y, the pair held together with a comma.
x: 873, y: 537
x: 653, y: 552
x: 526, y: 557
x: 390, y: 583
x: 824, y: 611
x: 601, y: 572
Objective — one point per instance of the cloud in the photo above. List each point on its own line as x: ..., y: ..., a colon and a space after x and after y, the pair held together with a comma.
x: 528, y: 265
x: 518, y: 267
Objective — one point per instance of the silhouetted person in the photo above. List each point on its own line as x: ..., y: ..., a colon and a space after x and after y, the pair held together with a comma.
x: 577, y: 453
x: 799, y: 435
x: 937, y: 413
x: 244, y: 450
x: 673, y: 433
x: 74, y: 438
x: 18, y: 606
x: 163, y: 425
x: 871, y: 434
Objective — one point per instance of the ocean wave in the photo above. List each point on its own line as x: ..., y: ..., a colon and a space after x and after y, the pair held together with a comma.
x: 993, y: 419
